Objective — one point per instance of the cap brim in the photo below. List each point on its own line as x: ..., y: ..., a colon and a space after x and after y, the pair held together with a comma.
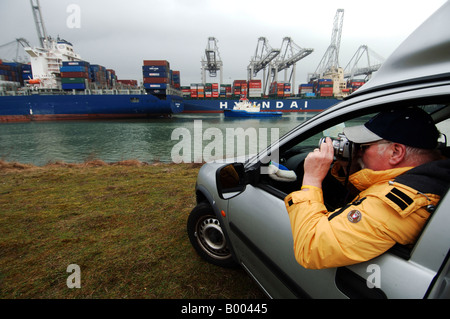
x: 360, y: 134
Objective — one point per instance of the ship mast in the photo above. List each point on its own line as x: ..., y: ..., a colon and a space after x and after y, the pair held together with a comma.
x: 40, y: 27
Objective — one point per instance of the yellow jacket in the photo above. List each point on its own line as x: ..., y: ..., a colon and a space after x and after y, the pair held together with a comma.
x: 384, y: 213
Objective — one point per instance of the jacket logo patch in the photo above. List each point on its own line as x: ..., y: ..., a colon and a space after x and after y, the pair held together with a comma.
x: 354, y: 216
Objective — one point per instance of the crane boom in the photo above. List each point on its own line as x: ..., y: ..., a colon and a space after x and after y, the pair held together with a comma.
x: 330, y: 60
x: 372, y: 59
x: 264, y: 54
x: 40, y: 27
x: 291, y: 54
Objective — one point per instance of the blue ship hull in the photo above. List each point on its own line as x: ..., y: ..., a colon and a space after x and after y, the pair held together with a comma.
x: 40, y: 107
x: 243, y: 113
x: 279, y: 105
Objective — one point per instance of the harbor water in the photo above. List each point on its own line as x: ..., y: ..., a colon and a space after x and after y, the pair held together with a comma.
x: 150, y: 140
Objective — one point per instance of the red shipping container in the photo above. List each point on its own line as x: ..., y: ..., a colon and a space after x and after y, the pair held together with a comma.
x: 156, y: 80
x: 254, y: 84
x: 74, y: 75
x: 157, y: 62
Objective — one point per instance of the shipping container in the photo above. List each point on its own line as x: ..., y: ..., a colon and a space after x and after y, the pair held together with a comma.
x: 73, y: 86
x: 73, y: 80
x: 156, y: 80
x: 157, y: 62
x: 76, y: 63
x: 75, y: 75
x: 155, y: 86
x: 155, y: 68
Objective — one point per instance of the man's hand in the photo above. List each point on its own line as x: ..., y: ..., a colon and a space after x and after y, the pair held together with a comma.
x: 317, y: 164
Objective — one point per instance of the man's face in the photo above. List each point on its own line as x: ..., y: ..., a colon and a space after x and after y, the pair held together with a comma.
x: 375, y: 155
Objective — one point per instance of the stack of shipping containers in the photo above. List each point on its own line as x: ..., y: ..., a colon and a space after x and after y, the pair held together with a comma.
x: 156, y: 74
x: 98, y: 76
x: 126, y: 84
x: 325, y: 88
x: 14, y: 73
x: 211, y: 90
x: 186, y: 91
x: 193, y: 91
x: 75, y: 75
x: 225, y: 91
x: 81, y: 75
x: 158, y: 77
x: 208, y: 90
x: 201, y: 91
x: 280, y: 89
x: 215, y: 90
x: 240, y: 88
x: 254, y: 88
x: 111, y: 78
x: 306, y: 90
x: 354, y: 85
x: 176, y: 81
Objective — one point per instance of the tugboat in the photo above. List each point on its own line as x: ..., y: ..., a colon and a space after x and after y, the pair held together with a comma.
x: 247, y: 109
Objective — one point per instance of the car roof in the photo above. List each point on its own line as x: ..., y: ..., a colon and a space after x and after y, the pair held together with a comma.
x: 423, y: 57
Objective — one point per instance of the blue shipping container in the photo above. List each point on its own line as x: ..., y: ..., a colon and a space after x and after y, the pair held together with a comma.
x: 75, y: 63
x: 73, y: 86
x: 73, y: 69
x: 155, y: 68
x: 155, y: 85
x: 155, y: 74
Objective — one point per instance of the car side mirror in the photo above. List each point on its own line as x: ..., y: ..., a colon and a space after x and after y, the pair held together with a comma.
x: 230, y: 180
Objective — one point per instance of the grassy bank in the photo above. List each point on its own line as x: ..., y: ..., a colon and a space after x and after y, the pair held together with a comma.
x: 124, y: 224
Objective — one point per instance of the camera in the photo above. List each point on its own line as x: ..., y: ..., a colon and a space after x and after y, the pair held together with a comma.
x: 341, y: 145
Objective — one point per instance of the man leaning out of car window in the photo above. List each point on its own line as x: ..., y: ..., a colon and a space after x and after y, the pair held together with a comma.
x: 400, y: 181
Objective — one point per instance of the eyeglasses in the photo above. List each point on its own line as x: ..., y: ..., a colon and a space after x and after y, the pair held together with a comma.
x: 365, y: 146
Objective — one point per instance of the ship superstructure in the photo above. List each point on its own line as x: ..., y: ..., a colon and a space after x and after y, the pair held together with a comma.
x: 47, y: 61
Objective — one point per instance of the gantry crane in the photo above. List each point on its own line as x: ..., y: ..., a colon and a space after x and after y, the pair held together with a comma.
x: 212, y: 62
x: 290, y: 54
x: 264, y: 54
x: 330, y: 60
x: 372, y: 63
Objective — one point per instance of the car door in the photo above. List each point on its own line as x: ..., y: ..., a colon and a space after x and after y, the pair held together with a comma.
x: 262, y: 237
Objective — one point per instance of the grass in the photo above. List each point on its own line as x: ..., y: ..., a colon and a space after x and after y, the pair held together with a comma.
x: 124, y: 224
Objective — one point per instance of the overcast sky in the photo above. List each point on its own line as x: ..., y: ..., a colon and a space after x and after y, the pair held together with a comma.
x: 121, y: 34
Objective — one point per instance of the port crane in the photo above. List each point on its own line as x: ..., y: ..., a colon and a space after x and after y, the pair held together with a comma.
x: 290, y: 54
x: 330, y: 60
x: 373, y: 62
x: 264, y: 54
x: 18, y: 42
x: 212, y: 62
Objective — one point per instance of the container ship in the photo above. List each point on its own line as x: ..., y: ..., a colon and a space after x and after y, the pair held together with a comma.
x: 59, y: 85
x: 215, y: 98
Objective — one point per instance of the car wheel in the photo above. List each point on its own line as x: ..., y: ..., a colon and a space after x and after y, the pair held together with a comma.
x: 207, y: 237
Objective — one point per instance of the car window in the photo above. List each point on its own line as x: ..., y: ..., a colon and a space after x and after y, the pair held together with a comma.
x: 292, y: 158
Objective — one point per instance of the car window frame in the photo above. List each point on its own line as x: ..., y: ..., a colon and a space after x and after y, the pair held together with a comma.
x: 348, y: 111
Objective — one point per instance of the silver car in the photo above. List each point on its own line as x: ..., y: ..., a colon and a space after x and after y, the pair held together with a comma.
x: 246, y: 223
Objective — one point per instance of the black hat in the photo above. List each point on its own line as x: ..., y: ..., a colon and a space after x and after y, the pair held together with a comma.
x: 412, y: 127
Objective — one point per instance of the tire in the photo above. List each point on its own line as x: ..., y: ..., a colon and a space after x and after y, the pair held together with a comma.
x: 207, y: 237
